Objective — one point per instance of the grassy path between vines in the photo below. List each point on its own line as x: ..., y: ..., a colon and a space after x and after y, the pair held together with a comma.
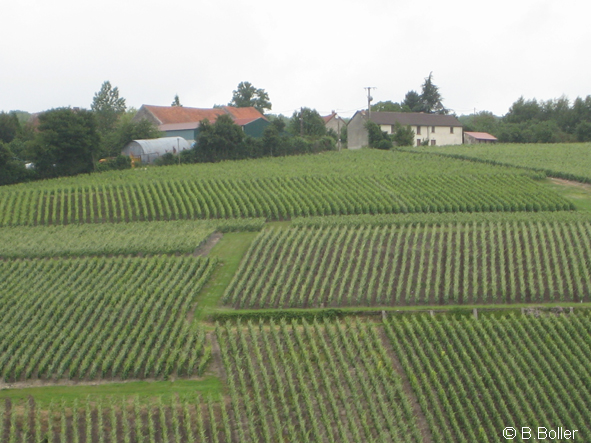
x: 578, y: 193
x: 67, y: 393
x: 229, y: 251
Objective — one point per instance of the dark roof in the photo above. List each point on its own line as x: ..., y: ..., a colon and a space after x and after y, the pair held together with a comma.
x: 414, y: 119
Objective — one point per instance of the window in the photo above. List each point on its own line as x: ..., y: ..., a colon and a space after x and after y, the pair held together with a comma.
x: 418, y: 142
x: 418, y: 130
x: 433, y: 142
x: 432, y: 129
x: 451, y: 129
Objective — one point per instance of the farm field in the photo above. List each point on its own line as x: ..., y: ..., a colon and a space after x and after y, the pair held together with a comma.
x: 101, y: 318
x: 411, y: 378
x: 449, y: 263
x: 182, y: 236
x: 108, y: 329
x: 571, y: 161
x: 367, y: 162
x: 277, y: 198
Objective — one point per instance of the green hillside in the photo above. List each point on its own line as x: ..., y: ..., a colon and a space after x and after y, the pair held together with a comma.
x: 368, y: 296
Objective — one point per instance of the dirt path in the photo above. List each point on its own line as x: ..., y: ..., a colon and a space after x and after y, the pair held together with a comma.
x: 204, y: 249
x: 561, y: 181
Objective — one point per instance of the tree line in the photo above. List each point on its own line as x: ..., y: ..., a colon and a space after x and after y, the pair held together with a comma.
x: 70, y: 141
x: 533, y: 121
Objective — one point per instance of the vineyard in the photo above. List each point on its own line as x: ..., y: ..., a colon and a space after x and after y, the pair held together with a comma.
x: 103, y: 282
x: 409, y: 379
x: 474, y: 378
x: 328, y: 164
x: 449, y: 263
x: 277, y: 198
x: 182, y: 236
x: 571, y: 161
x: 101, y: 318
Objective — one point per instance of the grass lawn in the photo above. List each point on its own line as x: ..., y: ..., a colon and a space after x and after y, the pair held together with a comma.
x: 44, y: 395
x: 578, y: 193
x: 229, y: 251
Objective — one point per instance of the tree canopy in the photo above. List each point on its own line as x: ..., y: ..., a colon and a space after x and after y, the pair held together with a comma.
x: 9, y: 126
x: 387, y: 106
x: 428, y: 101
x: 107, y: 106
x: 246, y: 95
x: 307, y: 122
x: 66, y: 142
x: 432, y: 102
x: 176, y: 101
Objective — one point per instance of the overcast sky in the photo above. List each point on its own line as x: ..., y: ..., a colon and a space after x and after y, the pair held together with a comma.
x: 314, y: 53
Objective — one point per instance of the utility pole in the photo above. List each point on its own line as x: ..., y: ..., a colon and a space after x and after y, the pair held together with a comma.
x: 369, y: 99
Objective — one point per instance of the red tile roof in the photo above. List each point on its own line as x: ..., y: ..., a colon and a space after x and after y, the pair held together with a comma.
x: 481, y: 135
x: 180, y: 117
x: 328, y: 118
x: 180, y: 114
x: 241, y: 113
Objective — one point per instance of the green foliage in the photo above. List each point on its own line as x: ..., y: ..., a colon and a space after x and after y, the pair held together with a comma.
x: 176, y: 101
x: 9, y: 126
x: 483, y: 121
x: 76, y: 240
x: 403, y: 135
x: 412, y: 102
x: 11, y: 170
x: 167, y: 159
x: 377, y: 138
x: 276, y: 315
x: 127, y: 130
x: 307, y: 122
x: 416, y: 264
x: 571, y: 161
x: 122, y: 317
x: 387, y: 106
x: 551, y: 121
x: 431, y: 98
x: 248, y: 96
x: 118, y: 163
x: 438, y: 219
x: 583, y: 131
x: 148, y: 238
x: 222, y: 140
x: 66, y: 143
x: 108, y: 107
x: 452, y: 362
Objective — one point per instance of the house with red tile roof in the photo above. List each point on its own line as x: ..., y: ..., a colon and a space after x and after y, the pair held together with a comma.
x: 181, y: 121
x: 334, y: 122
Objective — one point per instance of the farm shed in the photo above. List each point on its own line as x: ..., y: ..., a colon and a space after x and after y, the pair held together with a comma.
x: 432, y: 129
x: 473, y: 138
x: 180, y: 121
x: 149, y: 150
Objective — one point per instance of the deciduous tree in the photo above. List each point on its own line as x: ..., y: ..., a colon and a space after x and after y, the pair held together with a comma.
x: 66, y: 142
x: 246, y: 95
x: 307, y: 122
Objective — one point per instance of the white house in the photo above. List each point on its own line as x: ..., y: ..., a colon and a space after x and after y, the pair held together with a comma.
x: 432, y: 129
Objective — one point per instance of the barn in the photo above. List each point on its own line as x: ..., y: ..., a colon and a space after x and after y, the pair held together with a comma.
x: 149, y: 150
